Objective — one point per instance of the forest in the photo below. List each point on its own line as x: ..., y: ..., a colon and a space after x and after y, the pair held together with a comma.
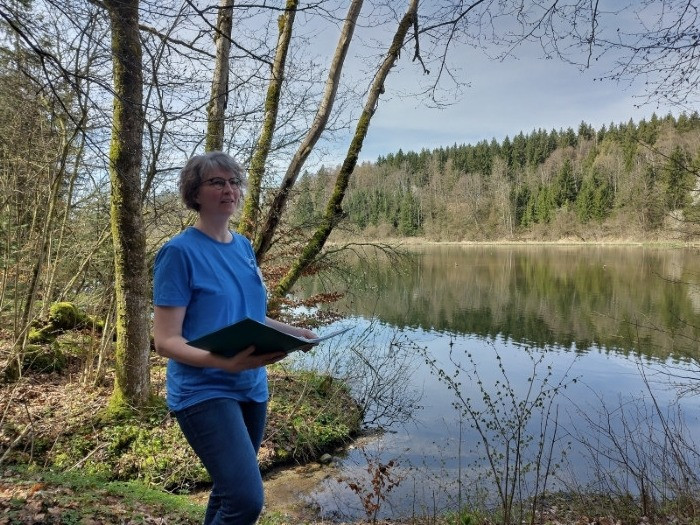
x: 102, y: 102
x: 624, y: 181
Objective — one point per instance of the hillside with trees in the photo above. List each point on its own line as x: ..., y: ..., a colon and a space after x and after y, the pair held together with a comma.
x: 636, y: 181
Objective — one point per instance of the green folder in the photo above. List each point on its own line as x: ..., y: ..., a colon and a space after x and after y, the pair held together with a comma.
x: 236, y: 337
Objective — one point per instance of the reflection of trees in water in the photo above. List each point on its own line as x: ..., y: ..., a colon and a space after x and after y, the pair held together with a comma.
x: 625, y: 299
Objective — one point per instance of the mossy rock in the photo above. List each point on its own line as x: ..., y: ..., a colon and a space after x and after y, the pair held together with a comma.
x: 66, y: 316
x: 38, y: 336
x: 145, y: 447
x: 94, y: 323
x: 42, y: 358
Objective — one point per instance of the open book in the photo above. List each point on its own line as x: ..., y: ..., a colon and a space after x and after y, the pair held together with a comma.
x: 236, y: 337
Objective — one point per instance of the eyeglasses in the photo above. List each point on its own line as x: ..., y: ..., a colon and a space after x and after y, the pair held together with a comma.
x: 220, y: 183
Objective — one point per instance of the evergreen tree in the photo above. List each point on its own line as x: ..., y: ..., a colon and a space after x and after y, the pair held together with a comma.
x: 601, y: 134
x: 585, y: 201
x: 648, y: 131
x: 595, y: 199
x: 694, y: 120
x: 653, y: 207
x: 678, y: 179
x: 518, y: 151
x: 523, y: 212
x: 565, y: 184
x: 507, y: 153
x: 683, y: 123
x: 567, y: 139
x: 304, y: 211
x: 409, y: 215
x: 544, y: 205
x: 585, y: 131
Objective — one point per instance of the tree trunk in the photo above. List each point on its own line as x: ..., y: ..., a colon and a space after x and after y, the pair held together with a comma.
x: 132, y: 384
x: 251, y: 207
x: 264, y: 240
x: 219, y: 86
x: 334, y: 211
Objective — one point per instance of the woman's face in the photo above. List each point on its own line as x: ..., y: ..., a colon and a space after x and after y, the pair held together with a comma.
x: 219, y: 193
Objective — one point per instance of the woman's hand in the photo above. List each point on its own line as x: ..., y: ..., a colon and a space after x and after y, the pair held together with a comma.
x: 167, y: 333
x: 247, y: 359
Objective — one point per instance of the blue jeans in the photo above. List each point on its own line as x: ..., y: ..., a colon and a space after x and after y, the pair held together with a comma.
x: 226, y: 435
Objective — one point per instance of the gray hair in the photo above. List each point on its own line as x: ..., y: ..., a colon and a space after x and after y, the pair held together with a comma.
x: 199, y: 166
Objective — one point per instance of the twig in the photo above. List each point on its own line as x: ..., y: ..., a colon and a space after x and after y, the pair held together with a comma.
x: 93, y: 451
x: 15, y: 442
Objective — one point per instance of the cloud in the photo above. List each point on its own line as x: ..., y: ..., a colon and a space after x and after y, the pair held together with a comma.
x: 504, y: 98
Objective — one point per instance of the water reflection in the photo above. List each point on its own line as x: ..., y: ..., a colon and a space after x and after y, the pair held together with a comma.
x: 594, y: 315
x: 622, y: 299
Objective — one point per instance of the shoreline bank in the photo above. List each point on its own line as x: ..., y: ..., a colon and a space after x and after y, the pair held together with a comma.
x: 425, y: 241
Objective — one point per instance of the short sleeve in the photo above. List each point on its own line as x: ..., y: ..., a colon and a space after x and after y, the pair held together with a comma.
x: 171, y: 277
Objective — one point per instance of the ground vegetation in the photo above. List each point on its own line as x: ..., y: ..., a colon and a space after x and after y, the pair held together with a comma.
x: 102, y: 101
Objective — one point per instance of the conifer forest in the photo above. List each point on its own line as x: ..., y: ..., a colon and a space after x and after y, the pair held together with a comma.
x: 624, y: 181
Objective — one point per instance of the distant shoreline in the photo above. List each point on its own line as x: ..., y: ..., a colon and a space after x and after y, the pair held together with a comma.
x: 423, y: 241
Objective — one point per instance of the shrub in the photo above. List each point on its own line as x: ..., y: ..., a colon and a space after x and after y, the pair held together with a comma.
x: 41, y: 358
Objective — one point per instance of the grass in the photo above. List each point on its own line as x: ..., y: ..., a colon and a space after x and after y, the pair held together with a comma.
x: 28, y: 496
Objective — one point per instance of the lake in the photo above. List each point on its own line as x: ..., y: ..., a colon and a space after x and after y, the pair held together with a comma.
x: 501, y: 369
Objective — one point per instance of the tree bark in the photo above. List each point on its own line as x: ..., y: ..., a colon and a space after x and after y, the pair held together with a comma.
x: 132, y: 384
x: 334, y: 210
x: 264, y: 240
x: 219, y: 86
x: 251, y: 207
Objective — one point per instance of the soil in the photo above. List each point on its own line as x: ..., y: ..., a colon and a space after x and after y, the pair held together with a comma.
x: 287, y: 490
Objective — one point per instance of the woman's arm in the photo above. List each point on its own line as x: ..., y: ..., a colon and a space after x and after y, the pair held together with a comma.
x: 167, y: 335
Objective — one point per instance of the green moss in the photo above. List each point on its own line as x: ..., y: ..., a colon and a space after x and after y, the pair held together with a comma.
x: 41, y: 358
x: 309, y: 414
x: 95, y: 323
x: 63, y: 317
x: 128, y: 445
x: 118, y: 410
x: 81, y: 497
x: 66, y: 316
x: 43, y: 335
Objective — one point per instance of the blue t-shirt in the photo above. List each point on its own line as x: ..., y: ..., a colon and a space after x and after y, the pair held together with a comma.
x: 219, y: 283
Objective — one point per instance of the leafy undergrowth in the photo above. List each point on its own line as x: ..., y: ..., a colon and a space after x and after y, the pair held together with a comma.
x: 72, y: 498
x: 28, y: 497
x: 44, y: 497
x: 54, y: 421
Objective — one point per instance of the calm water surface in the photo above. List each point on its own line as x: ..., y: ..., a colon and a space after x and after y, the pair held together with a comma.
x: 507, y: 320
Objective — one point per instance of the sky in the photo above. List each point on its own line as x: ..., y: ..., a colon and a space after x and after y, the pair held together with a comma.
x: 503, y: 99
x: 523, y: 93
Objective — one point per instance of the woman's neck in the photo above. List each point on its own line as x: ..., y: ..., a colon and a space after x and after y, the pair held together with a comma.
x: 217, y: 230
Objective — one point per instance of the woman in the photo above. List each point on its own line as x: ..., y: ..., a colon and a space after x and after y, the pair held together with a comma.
x: 206, y: 278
